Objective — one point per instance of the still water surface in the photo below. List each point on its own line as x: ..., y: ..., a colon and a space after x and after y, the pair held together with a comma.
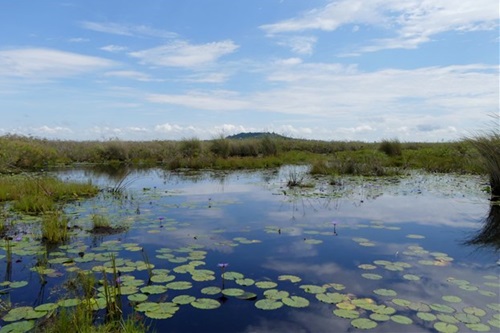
x: 388, y: 251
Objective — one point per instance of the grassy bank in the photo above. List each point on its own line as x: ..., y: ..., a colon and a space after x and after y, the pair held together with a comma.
x: 332, y: 157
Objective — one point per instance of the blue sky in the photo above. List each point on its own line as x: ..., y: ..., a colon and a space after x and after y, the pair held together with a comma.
x: 415, y: 70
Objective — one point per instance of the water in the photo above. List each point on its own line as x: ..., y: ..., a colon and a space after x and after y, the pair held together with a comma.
x: 407, y: 232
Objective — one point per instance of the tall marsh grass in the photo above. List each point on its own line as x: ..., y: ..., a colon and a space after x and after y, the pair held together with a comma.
x: 488, y: 147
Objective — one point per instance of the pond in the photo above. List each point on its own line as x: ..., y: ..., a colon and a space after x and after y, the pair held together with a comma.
x: 242, y: 252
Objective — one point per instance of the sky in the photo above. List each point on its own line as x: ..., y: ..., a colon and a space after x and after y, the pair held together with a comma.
x: 368, y: 70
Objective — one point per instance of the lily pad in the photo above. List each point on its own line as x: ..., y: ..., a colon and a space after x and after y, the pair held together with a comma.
x: 47, y: 307
x: 385, y: 292
x: 451, y: 299
x: 445, y: 327
x: 411, y: 277
x: 247, y: 296
x: 205, y: 303
x: 331, y: 298
x: 179, y: 285
x: 473, y: 310
x: 183, y: 299
x: 276, y: 294
x: 364, y: 323
x: 154, y: 289
x: 467, y: 318
x: 161, y: 278
x: 211, y: 290
x: 296, y: 301
x: 367, y: 266
x: 447, y: 318
x: 313, y: 289
x: 268, y: 304
x: 479, y: 327
x: 232, y: 275
x: 442, y: 308
x: 348, y: 314
x: 137, y: 297
x: 379, y: 317
x: 245, y: 282
x: 426, y: 316
x: 291, y: 278
x: 371, y: 276
x: 18, y: 327
x: 233, y: 292
x: 265, y: 284
x: 18, y: 284
x: 401, y: 319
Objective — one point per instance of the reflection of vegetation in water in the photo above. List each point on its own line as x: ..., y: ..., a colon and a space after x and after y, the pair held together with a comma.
x: 489, y: 235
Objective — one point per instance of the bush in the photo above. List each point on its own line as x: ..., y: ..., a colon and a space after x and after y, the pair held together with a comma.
x: 391, y: 147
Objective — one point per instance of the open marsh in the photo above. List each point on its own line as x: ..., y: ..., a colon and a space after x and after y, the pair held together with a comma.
x: 242, y: 252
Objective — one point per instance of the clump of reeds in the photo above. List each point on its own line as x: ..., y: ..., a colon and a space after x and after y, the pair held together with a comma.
x: 55, y: 227
x: 488, y: 146
x: 391, y: 147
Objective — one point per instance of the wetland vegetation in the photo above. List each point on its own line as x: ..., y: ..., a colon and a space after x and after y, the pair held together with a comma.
x: 300, y: 235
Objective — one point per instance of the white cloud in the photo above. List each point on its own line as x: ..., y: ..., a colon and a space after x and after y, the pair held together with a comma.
x: 208, y: 77
x: 113, y: 48
x: 413, y: 21
x: 78, y: 40
x: 183, y: 54
x: 134, y: 75
x: 299, y: 44
x: 126, y: 30
x: 217, y: 100
x: 38, y: 63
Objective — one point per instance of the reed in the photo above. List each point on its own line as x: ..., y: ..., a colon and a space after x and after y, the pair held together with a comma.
x: 55, y: 227
x: 488, y: 146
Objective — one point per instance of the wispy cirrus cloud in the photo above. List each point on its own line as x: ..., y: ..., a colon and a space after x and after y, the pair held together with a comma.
x: 41, y: 63
x: 183, y: 54
x: 217, y: 100
x: 133, y: 75
x: 413, y: 22
x: 126, y: 29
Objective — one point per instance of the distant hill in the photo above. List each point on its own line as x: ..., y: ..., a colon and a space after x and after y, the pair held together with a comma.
x: 256, y: 135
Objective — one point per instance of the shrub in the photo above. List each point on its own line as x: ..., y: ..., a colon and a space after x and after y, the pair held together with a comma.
x: 190, y: 147
x: 391, y: 147
x: 488, y: 147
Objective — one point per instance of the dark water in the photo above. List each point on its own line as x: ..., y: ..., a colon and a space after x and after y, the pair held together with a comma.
x: 410, y: 231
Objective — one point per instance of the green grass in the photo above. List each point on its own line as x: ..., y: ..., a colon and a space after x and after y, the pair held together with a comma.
x: 55, y: 228
x: 38, y: 194
x: 339, y: 157
x: 488, y: 147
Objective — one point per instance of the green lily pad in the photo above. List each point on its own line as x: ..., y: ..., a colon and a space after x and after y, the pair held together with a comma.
x: 401, y: 302
x: 384, y: 309
x: 473, y: 310
x: 379, y: 317
x: 348, y: 314
x: 265, y: 284
x: 479, y: 327
x: 233, y: 292
x: 467, y: 318
x: 331, y: 298
x: 494, y: 306
x: 232, y: 275
x: 442, y: 308
x: 245, y: 282
x: 426, y: 316
x: 385, y: 292
x: 313, y: 241
x: 205, y: 303
x: 419, y: 306
x: 445, y: 327
x: 364, y: 323
x: 247, y: 296
x: 367, y: 266
x: 183, y: 299
x: 346, y: 305
x: 415, y: 236
x: 291, y: 278
x: 18, y: 284
x: 161, y: 278
x: 211, y: 290
x: 154, y: 289
x: 451, y: 299
x: 179, y: 285
x: 495, y: 322
x: 147, y: 306
x: 313, y: 289
x: 268, y: 304
x: 137, y: 297
x: 18, y: 327
x: 296, y: 301
x: 47, y: 307
x: 446, y: 318
x: 276, y: 294
x: 371, y: 276
x: 411, y: 277
x: 401, y: 319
